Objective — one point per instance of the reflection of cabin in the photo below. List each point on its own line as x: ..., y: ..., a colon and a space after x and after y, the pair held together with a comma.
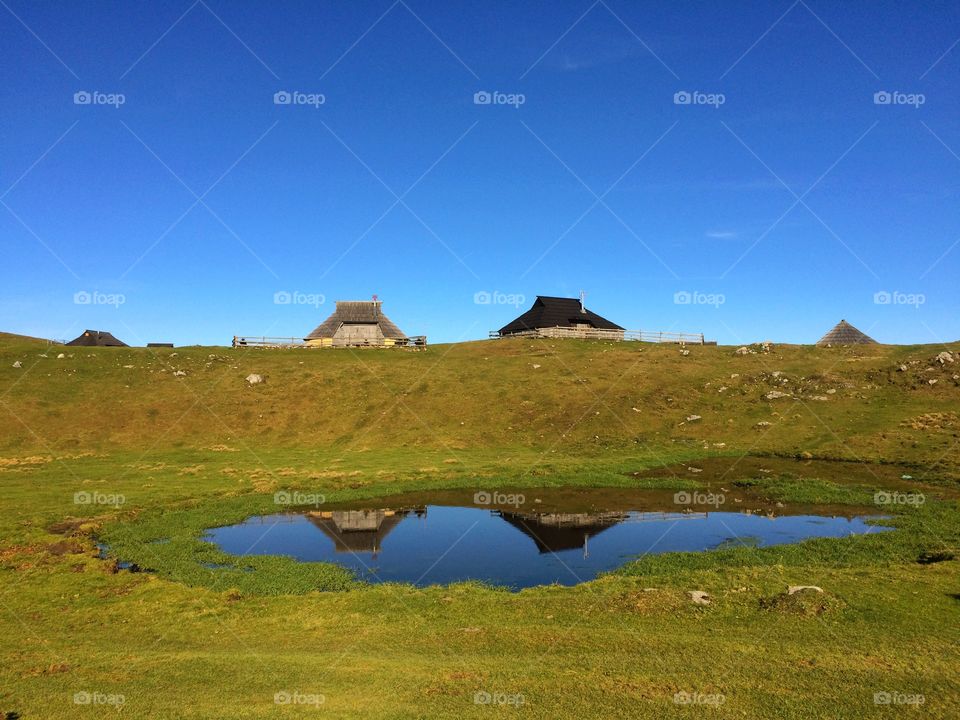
x: 553, y: 532
x: 357, y: 323
x: 562, y: 317
x: 359, y: 531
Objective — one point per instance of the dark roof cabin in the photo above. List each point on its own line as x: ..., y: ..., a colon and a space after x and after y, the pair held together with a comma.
x: 562, y: 317
x: 553, y: 532
x: 357, y: 323
x: 843, y: 333
x: 96, y: 338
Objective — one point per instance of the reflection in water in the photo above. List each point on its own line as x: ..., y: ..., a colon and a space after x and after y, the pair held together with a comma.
x: 554, y: 532
x: 429, y: 543
x: 360, y: 531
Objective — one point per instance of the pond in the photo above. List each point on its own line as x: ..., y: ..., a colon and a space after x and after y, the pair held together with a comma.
x: 522, y: 538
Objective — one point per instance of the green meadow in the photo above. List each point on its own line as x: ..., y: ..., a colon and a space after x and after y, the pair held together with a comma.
x: 113, y: 456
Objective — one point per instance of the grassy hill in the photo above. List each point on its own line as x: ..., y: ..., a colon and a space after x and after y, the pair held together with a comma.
x: 188, y: 443
x: 870, y: 402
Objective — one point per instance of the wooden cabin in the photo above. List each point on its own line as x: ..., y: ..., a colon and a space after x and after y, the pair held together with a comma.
x: 562, y: 317
x: 96, y: 338
x: 357, y: 323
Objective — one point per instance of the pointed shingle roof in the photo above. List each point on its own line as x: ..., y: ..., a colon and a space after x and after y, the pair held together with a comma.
x: 357, y: 312
x: 843, y: 333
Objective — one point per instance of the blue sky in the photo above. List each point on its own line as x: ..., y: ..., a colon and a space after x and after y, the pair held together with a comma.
x: 781, y: 199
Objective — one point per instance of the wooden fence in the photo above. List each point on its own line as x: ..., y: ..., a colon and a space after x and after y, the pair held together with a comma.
x: 415, y: 341
x: 652, y: 336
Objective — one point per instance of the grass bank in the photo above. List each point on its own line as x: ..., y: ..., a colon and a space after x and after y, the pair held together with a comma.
x: 184, y: 452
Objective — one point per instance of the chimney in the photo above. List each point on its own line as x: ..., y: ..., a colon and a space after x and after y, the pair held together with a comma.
x: 582, y: 295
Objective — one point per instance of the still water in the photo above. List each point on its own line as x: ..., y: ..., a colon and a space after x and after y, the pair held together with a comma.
x: 565, y: 539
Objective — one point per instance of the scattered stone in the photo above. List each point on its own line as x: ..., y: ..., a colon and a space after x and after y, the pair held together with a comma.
x: 535, y: 366
x: 684, y: 352
x: 794, y: 589
x: 932, y: 381
x: 944, y: 357
x: 735, y: 375
x: 699, y: 597
x: 636, y: 409
x: 775, y: 394
x: 806, y: 455
x: 902, y: 368
x: 694, y: 469
x: 832, y: 391
x: 254, y: 379
x: 693, y: 418
x: 180, y: 373
x: 61, y: 356
x: 17, y: 364
x: 821, y: 398
x: 745, y: 351
x: 764, y: 423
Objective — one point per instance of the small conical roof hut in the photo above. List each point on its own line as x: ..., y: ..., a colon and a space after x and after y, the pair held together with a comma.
x: 843, y: 333
x: 97, y: 338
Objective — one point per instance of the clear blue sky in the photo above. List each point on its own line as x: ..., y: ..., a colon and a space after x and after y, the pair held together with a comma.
x: 796, y: 200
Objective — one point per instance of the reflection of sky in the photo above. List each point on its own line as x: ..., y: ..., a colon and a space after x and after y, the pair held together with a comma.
x: 457, y: 543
